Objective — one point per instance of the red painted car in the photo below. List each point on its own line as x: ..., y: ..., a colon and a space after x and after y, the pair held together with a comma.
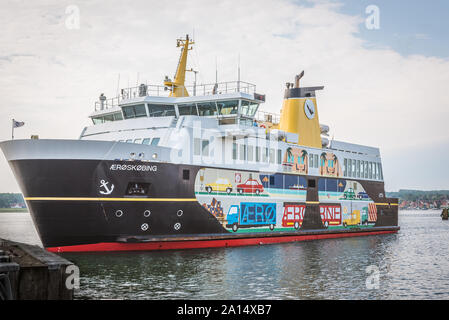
x: 250, y: 186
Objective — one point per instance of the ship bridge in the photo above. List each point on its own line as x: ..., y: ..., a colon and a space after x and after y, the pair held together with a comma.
x: 234, y: 102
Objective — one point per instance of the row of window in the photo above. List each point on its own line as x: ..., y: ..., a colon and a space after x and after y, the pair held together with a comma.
x: 245, y: 152
x: 147, y: 141
x: 212, y: 108
x: 362, y: 169
x: 241, y: 152
x: 108, y: 118
x: 313, y: 161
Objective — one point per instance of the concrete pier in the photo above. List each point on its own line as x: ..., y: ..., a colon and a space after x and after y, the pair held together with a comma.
x: 30, y: 272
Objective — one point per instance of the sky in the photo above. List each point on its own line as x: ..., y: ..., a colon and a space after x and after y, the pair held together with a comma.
x: 384, y: 66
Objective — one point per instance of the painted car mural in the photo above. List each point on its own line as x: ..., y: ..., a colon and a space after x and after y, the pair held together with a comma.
x: 251, y: 214
x: 251, y: 201
x: 250, y: 186
x: 330, y: 214
x: 221, y: 184
x: 294, y: 214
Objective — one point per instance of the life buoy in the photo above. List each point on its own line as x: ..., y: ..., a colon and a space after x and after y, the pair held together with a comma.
x: 263, y: 126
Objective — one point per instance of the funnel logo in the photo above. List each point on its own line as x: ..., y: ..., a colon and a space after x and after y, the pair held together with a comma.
x: 309, y: 109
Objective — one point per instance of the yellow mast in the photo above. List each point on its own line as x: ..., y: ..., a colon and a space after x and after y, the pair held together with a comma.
x: 177, y: 86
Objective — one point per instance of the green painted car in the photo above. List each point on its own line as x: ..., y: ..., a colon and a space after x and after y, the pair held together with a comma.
x: 349, y: 194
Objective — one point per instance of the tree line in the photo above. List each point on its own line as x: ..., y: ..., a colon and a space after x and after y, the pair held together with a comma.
x: 415, y: 195
x: 7, y: 200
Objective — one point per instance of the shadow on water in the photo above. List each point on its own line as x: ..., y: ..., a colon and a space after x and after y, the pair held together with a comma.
x: 413, y: 264
x: 328, y: 269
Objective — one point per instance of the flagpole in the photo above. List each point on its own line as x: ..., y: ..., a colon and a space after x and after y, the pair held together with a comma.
x: 12, y: 133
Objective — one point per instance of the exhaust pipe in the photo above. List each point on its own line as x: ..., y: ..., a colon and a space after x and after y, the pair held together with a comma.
x: 297, y: 78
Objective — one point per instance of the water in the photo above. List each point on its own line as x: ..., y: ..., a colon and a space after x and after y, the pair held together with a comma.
x: 413, y: 264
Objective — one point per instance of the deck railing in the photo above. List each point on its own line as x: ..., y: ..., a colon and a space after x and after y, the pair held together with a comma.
x: 263, y: 116
x: 144, y: 90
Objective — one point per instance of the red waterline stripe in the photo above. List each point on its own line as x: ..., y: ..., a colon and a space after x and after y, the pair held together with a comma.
x: 170, y: 245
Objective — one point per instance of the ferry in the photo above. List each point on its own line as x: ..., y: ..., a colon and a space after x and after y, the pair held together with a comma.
x: 174, y: 167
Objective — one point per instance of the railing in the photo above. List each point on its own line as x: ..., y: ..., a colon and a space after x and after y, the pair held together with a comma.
x: 263, y: 116
x: 163, y: 91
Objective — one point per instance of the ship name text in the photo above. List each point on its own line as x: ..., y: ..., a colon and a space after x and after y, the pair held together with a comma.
x: 132, y: 167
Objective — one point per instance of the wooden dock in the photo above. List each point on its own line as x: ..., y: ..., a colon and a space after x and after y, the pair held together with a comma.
x: 30, y: 272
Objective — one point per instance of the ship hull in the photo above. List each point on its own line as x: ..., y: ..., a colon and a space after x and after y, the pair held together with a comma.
x: 117, y: 205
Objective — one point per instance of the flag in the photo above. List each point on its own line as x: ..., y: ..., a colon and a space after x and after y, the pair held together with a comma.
x: 17, y: 124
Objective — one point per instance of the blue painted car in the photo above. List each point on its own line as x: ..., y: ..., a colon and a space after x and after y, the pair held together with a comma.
x: 362, y: 195
x: 251, y: 214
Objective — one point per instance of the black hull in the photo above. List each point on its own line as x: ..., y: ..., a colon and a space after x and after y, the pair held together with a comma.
x: 68, y: 207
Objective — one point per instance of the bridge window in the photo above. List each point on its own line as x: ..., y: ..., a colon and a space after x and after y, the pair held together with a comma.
x: 146, y: 141
x: 187, y: 109
x: 160, y: 110
x: 228, y: 107
x: 108, y: 118
x: 136, y: 111
x: 207, y: 109
x: 249, y: 108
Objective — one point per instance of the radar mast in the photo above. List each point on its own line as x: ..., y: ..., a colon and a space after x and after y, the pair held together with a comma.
x: 177, y: 86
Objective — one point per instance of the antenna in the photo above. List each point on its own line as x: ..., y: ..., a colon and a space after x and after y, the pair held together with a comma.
x: 118, y: 85
x: 238, y: 75
x: 194, y: 83
x: 216, y: 70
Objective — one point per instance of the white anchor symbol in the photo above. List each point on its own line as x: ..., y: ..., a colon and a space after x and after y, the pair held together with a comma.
x: 104, y: 184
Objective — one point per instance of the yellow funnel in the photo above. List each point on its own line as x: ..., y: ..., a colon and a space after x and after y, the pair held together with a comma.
x: 299, y: 114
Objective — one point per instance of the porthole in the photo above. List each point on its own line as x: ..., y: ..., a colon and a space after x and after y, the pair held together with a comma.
x: 147, y: 213
x: 144, y: 227
x: 177, y: 226
x: 119, y: 213
x: 179, y: 213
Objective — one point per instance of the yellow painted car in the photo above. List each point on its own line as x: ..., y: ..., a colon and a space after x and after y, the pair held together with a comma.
x: 353, y: 220
x: 221, y: 185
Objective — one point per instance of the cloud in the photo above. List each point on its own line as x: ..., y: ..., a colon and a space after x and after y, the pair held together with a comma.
x: 372, y: 95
